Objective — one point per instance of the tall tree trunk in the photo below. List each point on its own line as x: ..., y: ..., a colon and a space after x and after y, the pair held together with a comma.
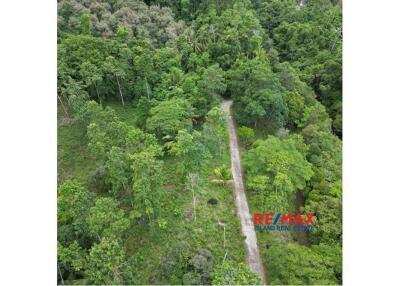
x: 120, y: 92
x: 263, y: 202
x: 224, y: 238
x: 97, y: 92
x: 226, y: 253
x: 194, y: 204
x: 147, y: 87
x: 62, y: 279
x: 63, y: 106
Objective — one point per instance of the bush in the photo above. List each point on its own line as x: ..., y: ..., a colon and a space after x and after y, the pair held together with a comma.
x: 98, y: 179
x: 223, y: 173
x: 187, y: 266
x: 246, y: 136
x: 293, y: 264
x: 231, y: 273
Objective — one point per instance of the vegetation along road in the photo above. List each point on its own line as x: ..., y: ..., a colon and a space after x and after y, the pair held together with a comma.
x: 246, y: 223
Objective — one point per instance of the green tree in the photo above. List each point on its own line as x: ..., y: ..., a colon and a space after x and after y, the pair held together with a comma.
x: 273, y: 156
x: 230, y: 273
x: 257, y: 94
x: 293, y: 264
x: 316, y: 114
x: 73, y: 204
x: 143, y: 112
x: 189, y: 150
x: 71, y: 259
x: 107, y: 63
x: 63, y: 84
x: 115, y: 69
x: 328, y: 212
x: 85, y: 18
x: 296, y: 106
x: 145, y: 69
x: 273, y: 13
x: 185, y: 265
x: 246, y: 135
x: 106, y: 219
x: 283, y: 162
x: 227, y: 36
x: 315, y: 53
x: 153, y: 23
x: 212, y: 84
x: 106, y: 263
x: 325, y: 154
x: 147, y: 178
x: 223, y: 173
x: 118, y: 171
x: 175, y: 261
x: 202, y: 263
x: 106, y: 131
x: 332, y: 255
x: 91, y: 75
x: 169, y: 116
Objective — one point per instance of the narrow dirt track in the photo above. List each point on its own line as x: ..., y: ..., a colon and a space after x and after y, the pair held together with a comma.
x: 242, y: 208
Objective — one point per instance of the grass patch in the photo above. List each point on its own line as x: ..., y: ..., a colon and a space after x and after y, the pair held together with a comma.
x: 126, y: 113
x: 74, y: 161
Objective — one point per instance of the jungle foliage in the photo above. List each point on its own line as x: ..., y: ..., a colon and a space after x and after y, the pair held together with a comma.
x: 142, y: 141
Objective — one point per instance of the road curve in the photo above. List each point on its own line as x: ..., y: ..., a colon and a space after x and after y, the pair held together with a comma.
x: 242, y: 208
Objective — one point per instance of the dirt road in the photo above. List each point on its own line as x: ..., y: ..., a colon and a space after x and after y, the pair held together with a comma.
x: 242, y: 208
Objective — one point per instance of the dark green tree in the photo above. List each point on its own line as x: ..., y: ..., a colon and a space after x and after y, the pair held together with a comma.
x: 292, y: 264
x: 257, y: 94
x: 169, y: 116
x: 277, y: 168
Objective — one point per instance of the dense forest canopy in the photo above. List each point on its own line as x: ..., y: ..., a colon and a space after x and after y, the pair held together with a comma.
x: 143, y: 141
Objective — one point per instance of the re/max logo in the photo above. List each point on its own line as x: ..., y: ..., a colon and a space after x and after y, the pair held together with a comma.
x: 287, y: 218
